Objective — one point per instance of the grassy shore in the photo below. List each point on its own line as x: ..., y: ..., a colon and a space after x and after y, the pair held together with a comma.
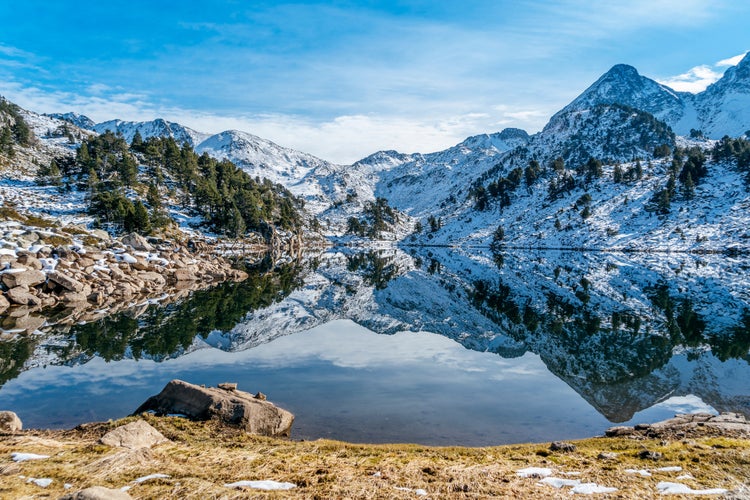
x: 203, y: 456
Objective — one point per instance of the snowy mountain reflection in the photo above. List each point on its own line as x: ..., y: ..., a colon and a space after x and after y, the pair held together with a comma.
x: 625, y: 331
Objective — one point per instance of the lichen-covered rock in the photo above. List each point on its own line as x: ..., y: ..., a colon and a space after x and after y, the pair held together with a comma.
x: 236, y: 408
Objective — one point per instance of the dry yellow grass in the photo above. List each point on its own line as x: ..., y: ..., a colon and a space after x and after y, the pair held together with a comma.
x: 202, y: 457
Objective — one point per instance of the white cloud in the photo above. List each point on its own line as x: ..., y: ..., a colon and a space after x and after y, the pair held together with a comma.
x: 696, y: 79
x: 731, y: 61
x: 342, y: 139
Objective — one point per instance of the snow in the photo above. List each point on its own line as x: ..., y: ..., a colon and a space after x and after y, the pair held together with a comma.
x: 22, y: 457
x: 558, y: 483
x: 667, y: 488
x: 419, y: 492
x: 41, y: 482
x: 675, y: 468
x: 262, y: 485
x: 534, y: 472
x: 143, y: 479
x: 126, y: 257
x: 591, y: 488
x: 640, y: 472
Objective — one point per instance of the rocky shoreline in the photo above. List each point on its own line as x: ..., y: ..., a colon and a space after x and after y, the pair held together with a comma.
x: 77, y: 275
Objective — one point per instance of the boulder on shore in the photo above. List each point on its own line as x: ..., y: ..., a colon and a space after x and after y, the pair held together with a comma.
x: 9, y: 422
x: 236, y: 408
x: 135, y: 435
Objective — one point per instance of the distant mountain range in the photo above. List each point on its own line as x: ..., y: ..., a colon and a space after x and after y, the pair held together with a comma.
x: 622, y: 117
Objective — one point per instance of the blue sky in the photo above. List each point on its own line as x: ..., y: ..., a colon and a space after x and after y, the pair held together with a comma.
x: 343, y: 79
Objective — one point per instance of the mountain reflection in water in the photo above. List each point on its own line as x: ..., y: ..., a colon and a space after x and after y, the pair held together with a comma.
x: 634, y: 335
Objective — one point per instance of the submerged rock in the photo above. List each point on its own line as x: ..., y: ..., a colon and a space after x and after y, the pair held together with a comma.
x: 236, y: 408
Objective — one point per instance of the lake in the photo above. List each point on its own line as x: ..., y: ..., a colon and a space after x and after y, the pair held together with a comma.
x: 428, y: 345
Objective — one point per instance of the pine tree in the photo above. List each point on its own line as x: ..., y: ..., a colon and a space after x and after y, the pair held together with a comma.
x: 688, y: 187
x: 141, y: 221
x: 137, y: 143
x: 617, y: 174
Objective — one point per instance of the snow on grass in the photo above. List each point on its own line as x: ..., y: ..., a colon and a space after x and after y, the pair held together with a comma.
x: 150, y: 477
x: 674, y: 468
x: 591, y: 488
x: 419, y: 492
x: 534, y: 472
x: 667, y: 488
x: 558, y: 483
x: 22, y: 457
x: 262, y: 485
x: 41, y: 482
x: 640, y: 472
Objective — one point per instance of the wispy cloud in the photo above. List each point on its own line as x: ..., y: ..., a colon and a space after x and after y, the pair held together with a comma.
x: 698, y: 78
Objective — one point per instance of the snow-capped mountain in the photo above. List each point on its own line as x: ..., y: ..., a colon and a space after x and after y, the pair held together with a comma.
x: 722, y: 109
x: 421, y: 183
x: 80, y: 121
x: 263, y: 158
x: 624, y: 85
x: 154, y: 128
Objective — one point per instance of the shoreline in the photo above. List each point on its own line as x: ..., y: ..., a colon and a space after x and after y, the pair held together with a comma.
x: 206, y: 459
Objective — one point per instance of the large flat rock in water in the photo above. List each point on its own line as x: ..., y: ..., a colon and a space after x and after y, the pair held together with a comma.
x: 230, y: 406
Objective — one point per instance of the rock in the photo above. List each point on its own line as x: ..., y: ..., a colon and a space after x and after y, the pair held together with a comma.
x: 260, y: 396
x: 9, y: 422
x: 236, y: 408
x: 228, y: 386
x: 30, y: 262
x: 151, y: 276
x: 650, y: 455
x: 562, y: 446
x: 98, y: 493
x: 135, y: 435
x: 689, y: 425
x: 74, y: 297
x: 184, y: 275
x: 138, y: 242
x: 66, y: 281
x: 21, y: 296
x: 4, y: 304
x: 29, y: 277
x: 102, y: 235
x: 27, y: 322
x: 607, y: 455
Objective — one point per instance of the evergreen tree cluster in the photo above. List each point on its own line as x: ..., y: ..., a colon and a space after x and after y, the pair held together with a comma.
x: 736, y: 151
x: 378, y: 217
x: 13, y: 128
x: 126, y: 184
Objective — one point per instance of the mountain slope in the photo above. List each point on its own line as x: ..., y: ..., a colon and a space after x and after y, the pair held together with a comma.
x: 154, y: 128
x: 623, y: 85
x: 724, y: 107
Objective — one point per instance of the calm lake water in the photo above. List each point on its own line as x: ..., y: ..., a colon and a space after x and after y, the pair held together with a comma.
x: 439, y: 347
